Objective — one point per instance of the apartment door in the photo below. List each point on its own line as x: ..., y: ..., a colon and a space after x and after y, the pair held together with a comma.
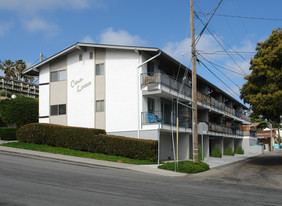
x: 166, y: 111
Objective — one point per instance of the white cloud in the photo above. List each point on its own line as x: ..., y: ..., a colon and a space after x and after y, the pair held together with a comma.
x: 4, y: 27
x: 120, y: 37
x: 87, y: 39
x: 181, y: 50
x: 37, y: 24
x: 24, y: 6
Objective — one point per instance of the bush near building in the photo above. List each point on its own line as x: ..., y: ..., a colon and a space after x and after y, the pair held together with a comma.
x: 216, y: 152
x: 239, y: 150
x: 21, y: 110
x: 229, y: 151
x: 90, y: 140
x: 8, y: 133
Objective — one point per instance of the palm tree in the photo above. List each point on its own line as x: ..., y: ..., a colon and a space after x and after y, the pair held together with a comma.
x: 20, y: 66
x: 9, y: 68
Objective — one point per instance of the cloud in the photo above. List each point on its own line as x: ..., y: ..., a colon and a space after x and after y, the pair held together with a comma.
x: 32, y: 6
x: 181, y: 50
x: 87, y: 39
x: 120, y: 37
x: 41, y: 25
x: 5, y: 27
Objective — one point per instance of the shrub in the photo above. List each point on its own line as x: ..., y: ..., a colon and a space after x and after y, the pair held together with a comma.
x: 229, y: 151
x: 21, y: 110
x: 186, y: 166
x: 216, y: 152
x: 90, y: 140
x: 199, y: 153
x: 8, y: 133
x: 239, y: 150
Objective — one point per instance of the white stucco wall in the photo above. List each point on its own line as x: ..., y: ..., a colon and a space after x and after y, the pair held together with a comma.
x: 44, y: 100
x: 121, y: 90
x: 80, y: 90
x: 44, y: 74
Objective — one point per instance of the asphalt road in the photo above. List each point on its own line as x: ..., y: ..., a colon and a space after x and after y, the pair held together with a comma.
x: 27, y: 180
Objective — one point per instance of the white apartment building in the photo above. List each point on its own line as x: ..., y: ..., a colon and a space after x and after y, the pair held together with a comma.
x: 135, y: 92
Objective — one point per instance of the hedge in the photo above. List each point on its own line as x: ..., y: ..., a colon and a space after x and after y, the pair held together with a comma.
x: 21, y: 110
x: 90, y: 140
x: 8, y: 133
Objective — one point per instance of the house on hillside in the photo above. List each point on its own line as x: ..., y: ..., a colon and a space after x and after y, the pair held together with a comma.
x: 136, y: 92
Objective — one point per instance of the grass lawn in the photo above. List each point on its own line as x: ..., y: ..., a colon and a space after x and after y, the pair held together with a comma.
x: 76, y: 153
x: 186, y: 166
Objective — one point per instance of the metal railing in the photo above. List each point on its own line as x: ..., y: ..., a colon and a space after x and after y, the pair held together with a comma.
x: 173, y: 84
x: 224, y: 129
x: 166, y: 118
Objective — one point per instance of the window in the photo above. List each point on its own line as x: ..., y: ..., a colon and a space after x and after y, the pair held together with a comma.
x: 80, y: 57
x: 91, y: 55
x: 100, y: 69
x: 151, y: 105
x: 58, y: 109
x: 58, y: 75
x: 99, y: 105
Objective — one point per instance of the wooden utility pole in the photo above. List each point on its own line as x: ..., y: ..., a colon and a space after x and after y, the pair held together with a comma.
x: 194, y: 87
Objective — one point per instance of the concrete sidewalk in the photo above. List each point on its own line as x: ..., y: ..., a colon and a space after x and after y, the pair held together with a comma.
x: 152, y: 169
x: 216, y: 162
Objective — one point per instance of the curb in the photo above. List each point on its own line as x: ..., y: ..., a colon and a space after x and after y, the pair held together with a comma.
x: 151, y: 169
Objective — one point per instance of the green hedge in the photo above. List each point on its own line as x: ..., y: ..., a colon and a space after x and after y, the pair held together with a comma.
x: 8, y: 133
x: 239, y: 150
x: 216, y: 152
x: 90, y: 140
x: 229, y: 151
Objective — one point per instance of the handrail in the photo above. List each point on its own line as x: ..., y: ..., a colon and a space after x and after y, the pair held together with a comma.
x: 175, y: 85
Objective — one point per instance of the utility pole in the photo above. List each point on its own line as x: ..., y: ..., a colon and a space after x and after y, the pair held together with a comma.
x: 194, y: 86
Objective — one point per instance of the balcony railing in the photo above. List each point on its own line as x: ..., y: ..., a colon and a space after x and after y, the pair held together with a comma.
x: 162, y: 79
x: 166, y: 118
x: 153, y: 80
x: 224, y: 129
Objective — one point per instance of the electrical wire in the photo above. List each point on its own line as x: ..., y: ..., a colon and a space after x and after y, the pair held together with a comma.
x: 221, y: 45
x: 241, y: 17
x: 221, y: 72
x: 219, y: 78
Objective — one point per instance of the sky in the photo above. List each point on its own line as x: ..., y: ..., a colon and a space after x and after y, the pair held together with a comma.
x: 28, y: 27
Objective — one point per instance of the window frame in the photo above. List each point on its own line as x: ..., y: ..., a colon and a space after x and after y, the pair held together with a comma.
x: 100, y: 105
x: 56, y: 76
x: 58, y: 109
x: 98, y: 69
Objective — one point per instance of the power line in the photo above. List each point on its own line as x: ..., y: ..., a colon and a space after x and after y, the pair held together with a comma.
x: 222, y: 73
x: 241, y: 17
x: 218, y: 78
x: 205, y: 26
x: 221, y: 45
x: 228, y: 69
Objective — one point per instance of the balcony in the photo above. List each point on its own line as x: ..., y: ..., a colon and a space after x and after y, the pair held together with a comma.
x: 224, y: 129
x: 165, y: 118
x: 153, y: 81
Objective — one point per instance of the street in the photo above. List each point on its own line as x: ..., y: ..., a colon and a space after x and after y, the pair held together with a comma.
x: 28, y: 180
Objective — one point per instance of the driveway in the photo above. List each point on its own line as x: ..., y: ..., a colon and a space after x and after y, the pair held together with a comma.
x: 264, y: 170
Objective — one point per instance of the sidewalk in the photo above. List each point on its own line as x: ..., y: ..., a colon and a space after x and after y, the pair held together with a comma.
x: 216, y: 162
x: 151, y: 169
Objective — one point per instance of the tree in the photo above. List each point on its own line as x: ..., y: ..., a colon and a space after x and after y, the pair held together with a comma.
x: 20, y: 66
x: 263, y: 89
x: 9, y: 68
x: 21, y: 110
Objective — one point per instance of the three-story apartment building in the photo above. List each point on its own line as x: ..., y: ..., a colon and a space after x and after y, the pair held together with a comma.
x: 135, y: 92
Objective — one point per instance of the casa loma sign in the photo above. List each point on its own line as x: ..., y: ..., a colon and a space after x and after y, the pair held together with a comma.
x: 79, y: 84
